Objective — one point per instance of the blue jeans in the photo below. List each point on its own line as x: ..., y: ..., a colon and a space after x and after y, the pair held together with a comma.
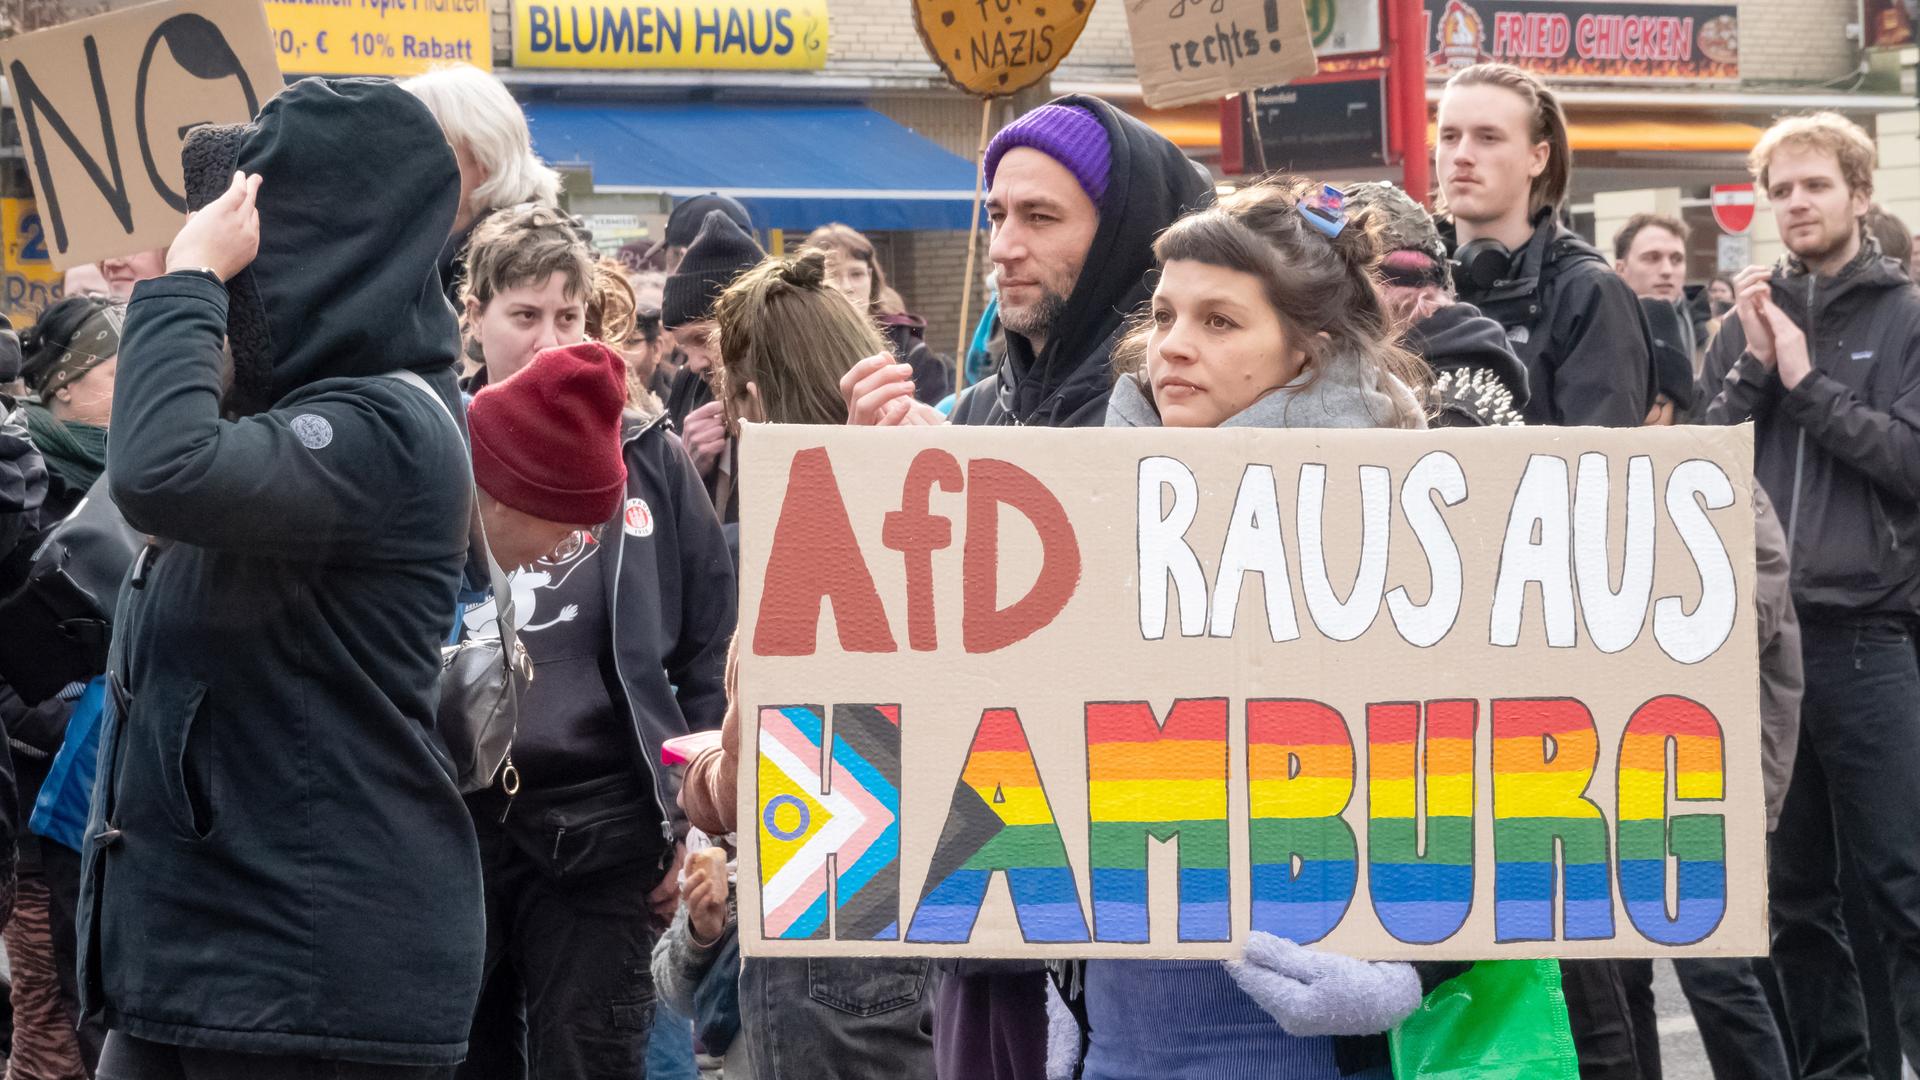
x: 670, y: 1049
x: 1856, y: 783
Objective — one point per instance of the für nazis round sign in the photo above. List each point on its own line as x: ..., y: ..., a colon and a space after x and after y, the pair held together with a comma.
x: 993, y: 48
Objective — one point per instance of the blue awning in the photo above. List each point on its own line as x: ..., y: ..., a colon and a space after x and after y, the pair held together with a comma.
x: 794, y: 166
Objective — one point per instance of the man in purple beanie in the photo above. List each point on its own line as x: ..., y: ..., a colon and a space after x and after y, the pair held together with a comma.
x: 1077, y: 190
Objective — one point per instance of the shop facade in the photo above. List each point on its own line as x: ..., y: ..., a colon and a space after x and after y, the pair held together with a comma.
x: 1663, y: 97
x: 812, y: 111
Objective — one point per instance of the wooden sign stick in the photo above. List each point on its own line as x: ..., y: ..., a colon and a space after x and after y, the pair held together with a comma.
x: 973, y: 248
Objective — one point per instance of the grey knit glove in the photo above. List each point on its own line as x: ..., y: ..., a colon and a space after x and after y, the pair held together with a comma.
x: 1320, y: 993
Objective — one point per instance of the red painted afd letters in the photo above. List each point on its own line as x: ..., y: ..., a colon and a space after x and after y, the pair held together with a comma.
x: 817, y: 557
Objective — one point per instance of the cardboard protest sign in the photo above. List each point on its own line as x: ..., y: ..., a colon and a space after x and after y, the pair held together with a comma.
x: 1188, y: 50
x: 1453, y: 694
x: 993, y: 48
x: 105, y: 103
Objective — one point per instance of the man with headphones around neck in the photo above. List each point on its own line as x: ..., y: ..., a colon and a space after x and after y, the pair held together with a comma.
x: 1504, y: 165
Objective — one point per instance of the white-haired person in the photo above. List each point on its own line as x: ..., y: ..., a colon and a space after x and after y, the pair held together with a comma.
x: 490, y: 140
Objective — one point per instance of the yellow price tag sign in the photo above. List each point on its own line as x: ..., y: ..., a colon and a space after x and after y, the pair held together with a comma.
x: 379, y: 37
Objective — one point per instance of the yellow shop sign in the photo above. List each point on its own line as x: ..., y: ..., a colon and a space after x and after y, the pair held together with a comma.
x: 379, y: 37
x: 709, y: 34
x: 31, y: 282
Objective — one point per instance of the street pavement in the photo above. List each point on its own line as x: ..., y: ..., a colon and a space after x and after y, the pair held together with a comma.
x: 1681, y: 1055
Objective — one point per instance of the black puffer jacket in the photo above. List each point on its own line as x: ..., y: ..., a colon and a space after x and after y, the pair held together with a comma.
x: 278, y: 862
x: 1149, y: 186
x: 1840, y: 452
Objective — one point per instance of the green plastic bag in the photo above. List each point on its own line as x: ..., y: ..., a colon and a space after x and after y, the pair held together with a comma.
x: 1498, y: 1020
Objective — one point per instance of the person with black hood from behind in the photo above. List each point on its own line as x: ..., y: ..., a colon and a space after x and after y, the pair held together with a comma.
x: 1077, y: 191
x: 1477, y: 380
x: 281, y: 879
x: 720, y: 252
x: 1673, y: 373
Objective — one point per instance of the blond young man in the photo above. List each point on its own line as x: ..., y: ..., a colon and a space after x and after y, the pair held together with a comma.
x: 1504, y: 164
x: 1824, y: 357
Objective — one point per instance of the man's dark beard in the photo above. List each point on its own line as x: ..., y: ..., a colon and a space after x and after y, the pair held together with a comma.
x: 1038, y: 321
x: 1828, y: 250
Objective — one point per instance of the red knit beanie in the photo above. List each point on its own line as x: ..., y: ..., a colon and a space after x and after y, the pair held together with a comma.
x: 547, y: 441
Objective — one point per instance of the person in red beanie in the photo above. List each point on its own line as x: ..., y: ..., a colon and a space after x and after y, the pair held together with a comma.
x: 625, y: 602
x: 546, y: 451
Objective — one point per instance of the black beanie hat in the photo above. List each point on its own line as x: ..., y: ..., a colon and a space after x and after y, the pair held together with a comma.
x: 687, y: 218
x: 720, y: 253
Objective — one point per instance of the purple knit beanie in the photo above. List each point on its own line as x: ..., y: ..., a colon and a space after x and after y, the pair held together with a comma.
x: 1069, y: 135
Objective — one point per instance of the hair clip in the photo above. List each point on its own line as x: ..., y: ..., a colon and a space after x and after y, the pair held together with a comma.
x: 1326, y: 211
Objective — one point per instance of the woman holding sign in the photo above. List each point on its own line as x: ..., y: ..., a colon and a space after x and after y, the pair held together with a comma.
x: 1265, y: 315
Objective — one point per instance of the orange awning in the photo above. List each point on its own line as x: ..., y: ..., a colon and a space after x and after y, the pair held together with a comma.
x: 1196, y: 128
x: 1659, y: 135
x: 1696, y: 135
x: 1192, y: 128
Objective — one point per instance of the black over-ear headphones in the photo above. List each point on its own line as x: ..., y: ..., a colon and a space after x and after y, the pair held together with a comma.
x: 1481, y: 264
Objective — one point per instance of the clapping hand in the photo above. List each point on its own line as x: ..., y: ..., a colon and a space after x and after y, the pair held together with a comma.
x: 1752, y: 291
x: 1789, y: 344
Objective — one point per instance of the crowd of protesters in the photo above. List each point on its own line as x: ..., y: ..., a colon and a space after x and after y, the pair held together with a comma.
x: 380, y: 363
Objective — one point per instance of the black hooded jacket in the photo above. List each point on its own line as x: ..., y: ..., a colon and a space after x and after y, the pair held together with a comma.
x: 1839, y: 453
x: 1577, y: 327
x: 1460, y: 341
x: 278, y: 861
x: 1149, y: 186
